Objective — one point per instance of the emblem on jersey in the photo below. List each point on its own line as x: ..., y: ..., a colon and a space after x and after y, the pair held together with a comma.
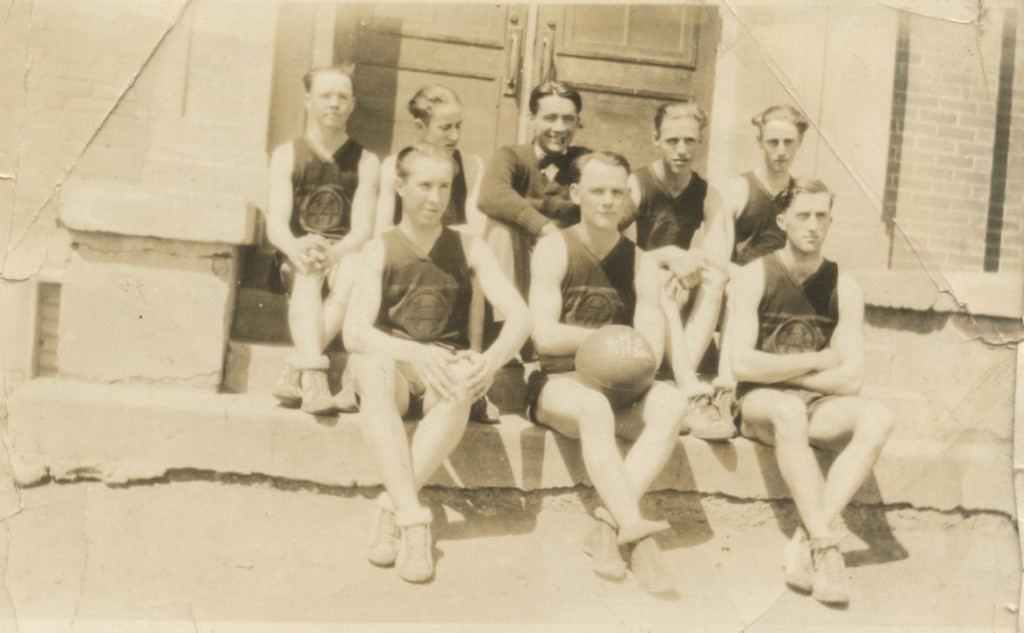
x: 794, y: 336
x: 424, y: 314
x: 592, y: 307
x: 325, y: 210
x: 665, y: 231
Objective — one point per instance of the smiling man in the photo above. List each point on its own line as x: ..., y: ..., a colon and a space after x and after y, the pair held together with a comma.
x: 797, y: 343
x: 525, y: 191
x: 323, y: 188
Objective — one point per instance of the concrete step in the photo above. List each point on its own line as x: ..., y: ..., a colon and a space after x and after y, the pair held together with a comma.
x: 254, y: 367
x: 65, y: 429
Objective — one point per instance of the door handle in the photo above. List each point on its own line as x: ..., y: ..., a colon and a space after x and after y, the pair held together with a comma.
x: 547, y: 58
x: 514, y: 60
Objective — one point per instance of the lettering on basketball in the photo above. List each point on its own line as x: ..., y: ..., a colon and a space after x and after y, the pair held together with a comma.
x: 325, y: 209
x: 626, y: 345
x: 794, y: 336
x: 424, y: 314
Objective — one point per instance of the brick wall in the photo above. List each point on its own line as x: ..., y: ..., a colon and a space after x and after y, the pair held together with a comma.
x: 74, y: 59
x: 946, y: 158
x: 1012, y: 247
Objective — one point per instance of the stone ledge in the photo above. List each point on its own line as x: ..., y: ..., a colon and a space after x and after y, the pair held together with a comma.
x: 983, y: 294
x: 66, y: 429
x: 104, y: 207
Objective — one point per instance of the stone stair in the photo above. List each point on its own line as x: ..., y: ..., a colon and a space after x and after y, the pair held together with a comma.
x: 127, y: 433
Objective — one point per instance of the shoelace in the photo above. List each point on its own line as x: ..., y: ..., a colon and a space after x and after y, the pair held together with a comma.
x: 723, y: 404
x: 318, y: 382
x: 707, y: 404
x: 418, y: 544
x: 385, y: 527
x: 831, y: 562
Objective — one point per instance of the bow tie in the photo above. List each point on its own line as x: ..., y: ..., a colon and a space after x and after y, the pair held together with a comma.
x: 558, y: 160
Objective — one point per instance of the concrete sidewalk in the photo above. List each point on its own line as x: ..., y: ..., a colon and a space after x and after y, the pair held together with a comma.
x: 197, y: 552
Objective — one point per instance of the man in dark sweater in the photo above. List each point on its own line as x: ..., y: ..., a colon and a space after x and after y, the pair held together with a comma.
x: 525, y: 191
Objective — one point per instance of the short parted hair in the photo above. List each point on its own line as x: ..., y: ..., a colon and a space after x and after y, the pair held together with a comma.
x: 410, y: 154
x: 679, y: 110
x: 781, y: 113
x: 422, y: 104
x: 557, y: 89
x: 809, y: 185
x: 341, y: 69
x: 610, y: 159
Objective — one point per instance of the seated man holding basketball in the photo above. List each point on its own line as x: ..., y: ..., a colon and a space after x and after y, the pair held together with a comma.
x: 797, y: 348
x: 583, y: 278
x: 408, y: 330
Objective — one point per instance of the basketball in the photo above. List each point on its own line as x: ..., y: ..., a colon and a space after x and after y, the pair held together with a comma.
x: 618, y: 361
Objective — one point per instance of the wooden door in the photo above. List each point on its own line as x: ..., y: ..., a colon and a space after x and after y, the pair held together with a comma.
x: 626, y: 59
x: 474, y: 49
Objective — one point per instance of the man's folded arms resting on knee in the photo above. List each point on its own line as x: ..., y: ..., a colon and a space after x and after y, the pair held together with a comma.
x: 795, y: 327
x: 408, y: 330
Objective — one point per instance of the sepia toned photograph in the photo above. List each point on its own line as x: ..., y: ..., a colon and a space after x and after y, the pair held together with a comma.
x: 466, y: 316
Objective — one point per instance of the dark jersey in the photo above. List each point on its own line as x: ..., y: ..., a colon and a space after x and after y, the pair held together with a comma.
x: 426, y: 297
x: 456, y: 211
x: 595, y: 292
x: 322, y: 191
x: 663, y: 219
x: 757, y: 232
x: 796, y: 317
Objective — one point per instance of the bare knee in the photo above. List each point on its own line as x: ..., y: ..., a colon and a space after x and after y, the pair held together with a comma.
x: 664, y: 414
x: 874, y: 423
x: 789, y: 419
x: 595, y: 415
x: 372, y: 372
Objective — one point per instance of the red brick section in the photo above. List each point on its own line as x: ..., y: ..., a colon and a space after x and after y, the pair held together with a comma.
x: 945, y: 165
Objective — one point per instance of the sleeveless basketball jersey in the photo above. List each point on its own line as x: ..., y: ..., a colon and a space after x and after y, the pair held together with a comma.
x: 796, y: 317
x: 664, y: 220
x: 757, y: 232
x: 426, y: 298
x: 322, y: 190
x: 456, y: 211
x: 595, y: 292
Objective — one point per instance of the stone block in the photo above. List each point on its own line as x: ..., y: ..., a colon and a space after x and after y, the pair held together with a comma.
x: 174, y: 214
x: 116, y: 433
x: 144, y: 310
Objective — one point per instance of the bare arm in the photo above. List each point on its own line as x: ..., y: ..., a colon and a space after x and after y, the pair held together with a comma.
x: 364, y: 202
x: 734, y: 197
x: 749, y: 364
x: 647, y: 318
x: 848, y: 342
x: 279, y: 211
x: 719, y: 231
x: 474, y: 166
x: 503, y: 296
x: 548, y: 268
x: 386, y: 198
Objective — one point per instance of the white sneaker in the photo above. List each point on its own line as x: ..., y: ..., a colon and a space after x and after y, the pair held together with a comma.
x: 796, y: 561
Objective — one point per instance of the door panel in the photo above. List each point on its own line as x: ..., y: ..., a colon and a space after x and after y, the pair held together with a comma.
x: 472, y: 48
x: 626, y: 60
